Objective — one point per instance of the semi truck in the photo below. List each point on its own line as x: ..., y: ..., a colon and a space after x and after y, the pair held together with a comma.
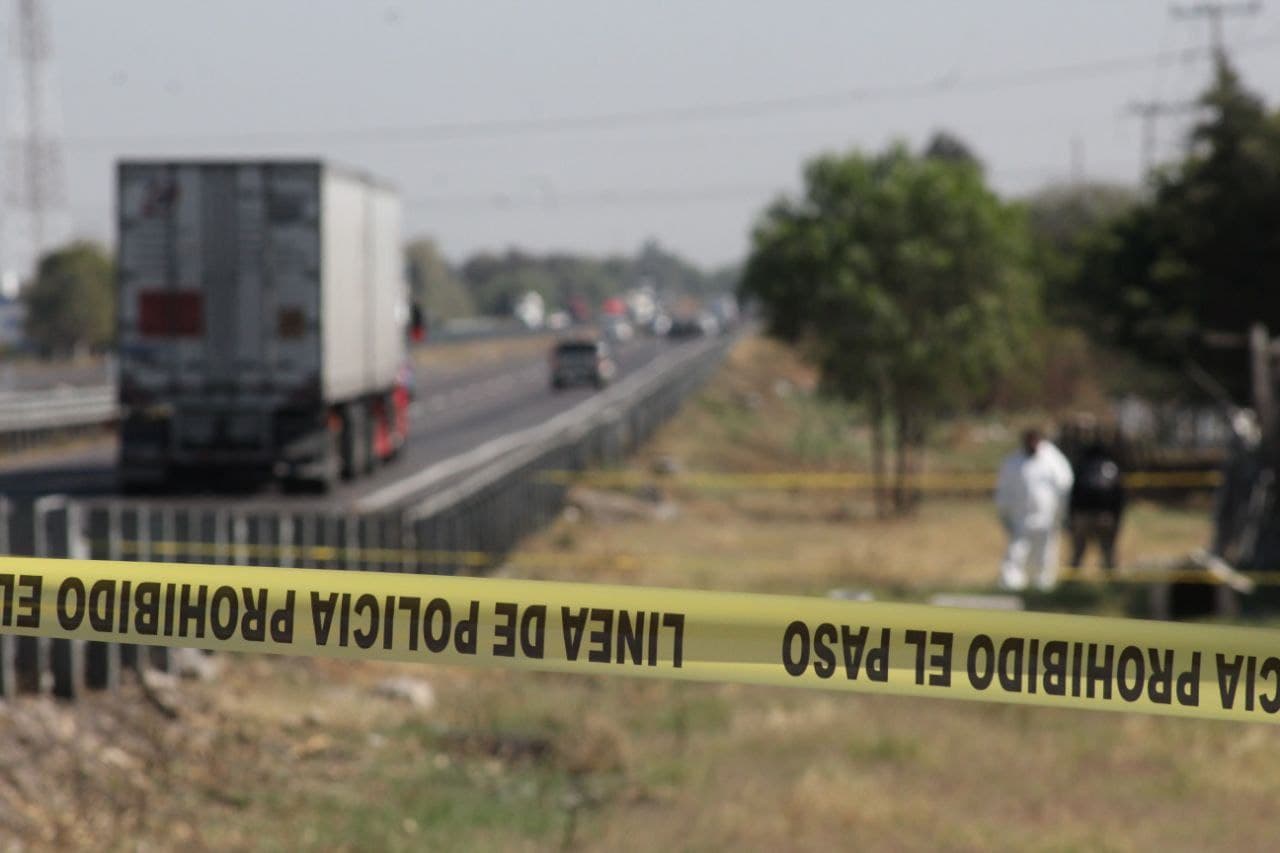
x: 263, y: 322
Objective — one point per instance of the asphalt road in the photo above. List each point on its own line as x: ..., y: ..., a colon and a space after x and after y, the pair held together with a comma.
x: 455, y: 411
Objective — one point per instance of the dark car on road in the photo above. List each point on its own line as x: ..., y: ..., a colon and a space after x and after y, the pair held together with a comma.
x: 582, y: 361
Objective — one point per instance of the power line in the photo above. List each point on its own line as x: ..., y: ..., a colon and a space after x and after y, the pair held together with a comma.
x: 1215, y: 12
x: 549, y: 198
x: 1150, y: 112
x: 725, y: 110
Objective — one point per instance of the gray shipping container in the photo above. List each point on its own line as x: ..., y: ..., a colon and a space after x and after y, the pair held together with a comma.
x: 262, y: 318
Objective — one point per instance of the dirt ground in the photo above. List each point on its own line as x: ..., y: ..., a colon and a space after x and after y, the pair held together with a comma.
x: 284, y: 754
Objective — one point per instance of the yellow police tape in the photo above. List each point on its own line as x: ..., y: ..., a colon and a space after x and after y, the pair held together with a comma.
x: 852, y: 480
x: 1186, y: 670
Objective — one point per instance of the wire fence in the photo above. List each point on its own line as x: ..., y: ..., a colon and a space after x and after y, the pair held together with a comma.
x: 31, y: 418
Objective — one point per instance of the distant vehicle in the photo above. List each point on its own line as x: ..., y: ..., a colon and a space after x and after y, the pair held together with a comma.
x: 558, y: 320
x: 686, y: 326
x: 530, y: 310
x: 642, y: 306
x: 582, y: 361
x: 262, y: 321
x: 618, y: 330
x: 725, y: 310
x: 579, y: 310
x: 708, y: 322
x: 13, y: 316
x: 660, y: 326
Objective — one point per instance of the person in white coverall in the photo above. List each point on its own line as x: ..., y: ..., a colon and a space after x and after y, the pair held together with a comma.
x: 1031, y: 497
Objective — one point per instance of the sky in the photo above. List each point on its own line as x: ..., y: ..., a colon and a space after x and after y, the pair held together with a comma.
x: 593, y: 126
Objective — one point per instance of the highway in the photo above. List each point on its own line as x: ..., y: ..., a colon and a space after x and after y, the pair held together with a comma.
x: 41, y: 376
x: 455, y: 411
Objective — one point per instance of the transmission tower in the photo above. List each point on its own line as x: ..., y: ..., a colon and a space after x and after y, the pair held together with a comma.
x: 1150, y: 112
x: 35, y: 215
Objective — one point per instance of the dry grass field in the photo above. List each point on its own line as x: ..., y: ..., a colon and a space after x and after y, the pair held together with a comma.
x: 284, y: 754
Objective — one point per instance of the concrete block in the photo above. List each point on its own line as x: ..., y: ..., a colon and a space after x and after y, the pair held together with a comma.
x: 1189, y: 600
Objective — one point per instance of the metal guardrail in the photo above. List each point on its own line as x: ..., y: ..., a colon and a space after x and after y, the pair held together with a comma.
x: 480, y: 329
x: 34, y: 417
x: 60, y: 407
x: 471, y: 521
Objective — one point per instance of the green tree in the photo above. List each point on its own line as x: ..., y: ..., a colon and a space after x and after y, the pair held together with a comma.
x: 440, y: 293
x: 945, y: 145
x: 665, y: 270
x: 495, y: 281
x: 1203, y: 253
x: 71, y: 302
x: 1064, y: 220
x: 906, y: 280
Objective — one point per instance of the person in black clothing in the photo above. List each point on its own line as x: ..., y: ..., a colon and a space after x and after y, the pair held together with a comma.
x: 1097, y: 505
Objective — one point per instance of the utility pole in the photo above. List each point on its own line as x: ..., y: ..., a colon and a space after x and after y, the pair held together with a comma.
x: 1077, y: 161
x: 35, y: 204
x: 1260, y: 365
x: 1264, y: 361
x: 1149, y: 112
x: 1215, y: 12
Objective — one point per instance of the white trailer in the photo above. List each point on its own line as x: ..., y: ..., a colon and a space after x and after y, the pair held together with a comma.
x: 262, y: 320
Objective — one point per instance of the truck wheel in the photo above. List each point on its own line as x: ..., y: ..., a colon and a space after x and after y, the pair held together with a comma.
x: 400, y: 406
x: 354, y: 442
x: 359, y: 440
x: 332, y: 461
x: 381, y: 436
x: 368, y: 439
